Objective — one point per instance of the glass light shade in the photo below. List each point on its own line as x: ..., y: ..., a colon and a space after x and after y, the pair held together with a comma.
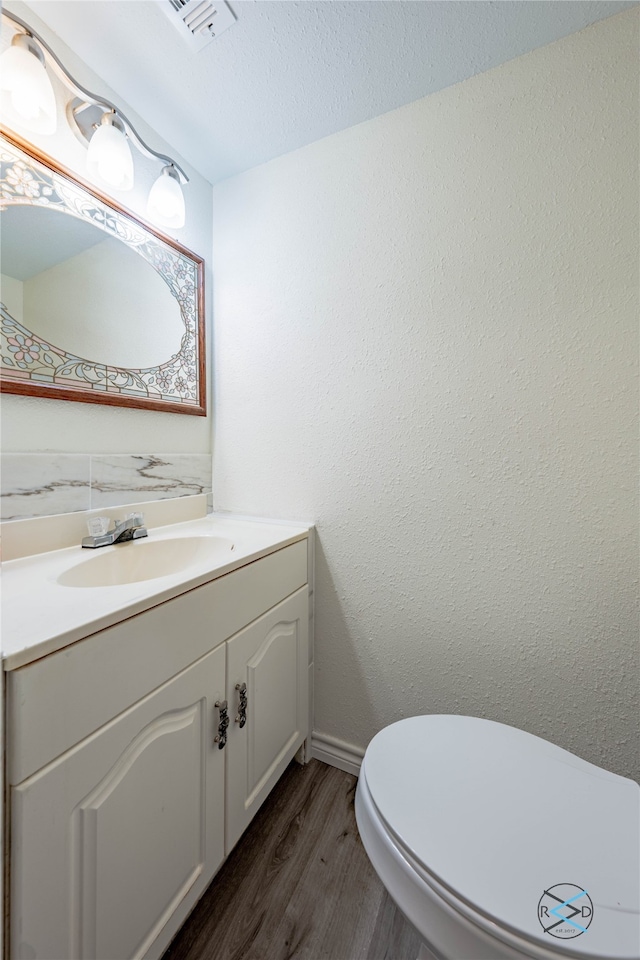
x: 109, y: 155
x: 166, y: 201
x: 26, y: 94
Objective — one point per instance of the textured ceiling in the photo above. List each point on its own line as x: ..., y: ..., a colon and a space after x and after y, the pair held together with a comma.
x: 288, y: 73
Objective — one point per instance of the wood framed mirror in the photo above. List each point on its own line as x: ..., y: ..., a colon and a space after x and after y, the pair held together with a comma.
x: 97, y: 305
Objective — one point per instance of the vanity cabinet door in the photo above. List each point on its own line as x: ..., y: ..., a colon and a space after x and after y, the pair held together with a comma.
x: 270, y: 656
x: 119, y: 833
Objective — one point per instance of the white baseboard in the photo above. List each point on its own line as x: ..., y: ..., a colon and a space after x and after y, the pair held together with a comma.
x: 336, y: 752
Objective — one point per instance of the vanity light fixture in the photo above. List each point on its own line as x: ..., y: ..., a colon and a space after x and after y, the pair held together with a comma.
x: 109, y: 155
x: 27, y: 96
x: 27, y: 99
x: 166, y: 200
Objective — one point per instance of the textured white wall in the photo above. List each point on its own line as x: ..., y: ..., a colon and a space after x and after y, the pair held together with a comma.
x: 426, y: 341
x: 36, y: 425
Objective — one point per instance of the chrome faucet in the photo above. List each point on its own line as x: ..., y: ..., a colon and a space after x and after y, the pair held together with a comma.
x: 129, y: 529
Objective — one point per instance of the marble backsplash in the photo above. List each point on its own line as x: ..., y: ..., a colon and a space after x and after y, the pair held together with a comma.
x: 44, y: 484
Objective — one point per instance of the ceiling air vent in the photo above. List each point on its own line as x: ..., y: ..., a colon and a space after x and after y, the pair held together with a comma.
x: 199, y: 21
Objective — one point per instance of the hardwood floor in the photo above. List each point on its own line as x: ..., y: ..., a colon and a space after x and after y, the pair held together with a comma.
x: 298, y: 885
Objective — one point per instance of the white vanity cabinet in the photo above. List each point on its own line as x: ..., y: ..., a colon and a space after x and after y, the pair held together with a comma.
x: 113, y: 834
x: 122, y: 804
x: 270, y: 657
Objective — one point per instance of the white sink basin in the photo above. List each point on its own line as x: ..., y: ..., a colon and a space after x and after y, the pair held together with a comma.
x: 145, y: 560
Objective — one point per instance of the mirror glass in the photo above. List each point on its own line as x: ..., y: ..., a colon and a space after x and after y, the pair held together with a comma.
x: 58, y: 271
x: 95, y: 304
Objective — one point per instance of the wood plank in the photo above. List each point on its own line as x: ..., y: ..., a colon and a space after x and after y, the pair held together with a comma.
x: 298, y: 885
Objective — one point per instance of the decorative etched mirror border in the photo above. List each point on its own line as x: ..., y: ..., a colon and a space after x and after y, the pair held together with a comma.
x: 34, y: 367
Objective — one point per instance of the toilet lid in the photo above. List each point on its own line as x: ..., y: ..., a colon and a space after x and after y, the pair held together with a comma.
x: 515, y: 828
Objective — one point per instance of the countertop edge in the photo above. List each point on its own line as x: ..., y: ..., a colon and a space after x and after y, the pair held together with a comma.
x: 29, y: 654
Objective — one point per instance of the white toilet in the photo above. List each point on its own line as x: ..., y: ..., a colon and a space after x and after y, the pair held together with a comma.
x: 480, y: 831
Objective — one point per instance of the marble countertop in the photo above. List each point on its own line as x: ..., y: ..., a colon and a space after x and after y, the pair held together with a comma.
x: 40, y: 616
